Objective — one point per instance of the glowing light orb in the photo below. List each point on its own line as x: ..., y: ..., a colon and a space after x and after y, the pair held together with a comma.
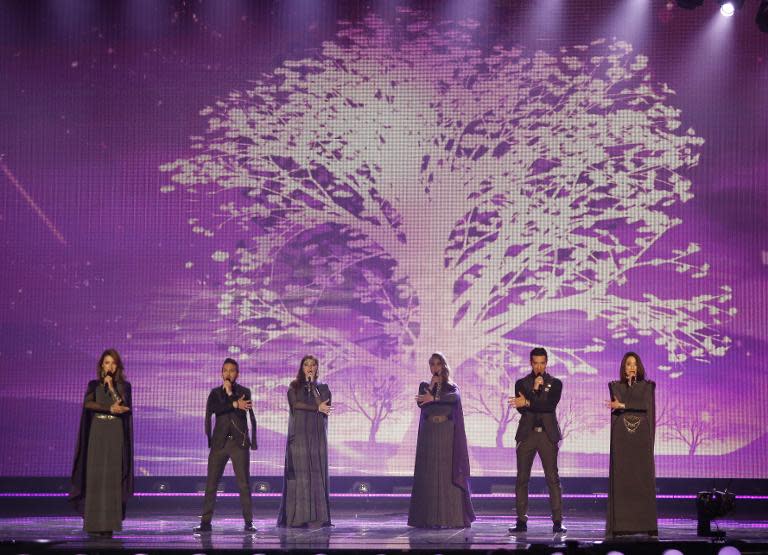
x: 727, y: 9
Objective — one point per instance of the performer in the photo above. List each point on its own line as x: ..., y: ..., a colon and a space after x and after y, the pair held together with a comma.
x: 632, y: 474
x: 102, y: 473
x: 306, y: 501
x: 440, y: 497
x: 229, y: 402
x: 536, y: 398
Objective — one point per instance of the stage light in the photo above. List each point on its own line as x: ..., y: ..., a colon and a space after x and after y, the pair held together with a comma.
x: 729, y: 7
x: 710, y: 505
x: 262, y: 487
x: 762, y: 16
x: 161, y: 487
x: 361, y: 487
x: 689, y: 4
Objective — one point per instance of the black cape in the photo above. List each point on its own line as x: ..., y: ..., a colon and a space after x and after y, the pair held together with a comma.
x: 77, y: 492
x: 632, y: 473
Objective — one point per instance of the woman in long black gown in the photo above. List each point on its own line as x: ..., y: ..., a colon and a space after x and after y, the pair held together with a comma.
x: 632, y: 474
x: 102, y: 473
x: 306, y: 502
x: 440, y: 497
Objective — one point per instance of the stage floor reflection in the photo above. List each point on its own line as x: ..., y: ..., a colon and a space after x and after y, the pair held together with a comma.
x: 358, y: 532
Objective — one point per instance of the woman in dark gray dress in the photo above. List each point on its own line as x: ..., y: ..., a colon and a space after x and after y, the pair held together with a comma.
x: 102, y: 475
x: 632, y: 473
x: 306, y: 502
x: 440, y: 497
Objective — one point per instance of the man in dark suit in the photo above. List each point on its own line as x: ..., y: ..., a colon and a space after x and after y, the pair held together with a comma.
x: 230, y: 440
x: 536, y: 398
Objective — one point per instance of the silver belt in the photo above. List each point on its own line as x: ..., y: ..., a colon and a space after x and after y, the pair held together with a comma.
x: 102, y: 416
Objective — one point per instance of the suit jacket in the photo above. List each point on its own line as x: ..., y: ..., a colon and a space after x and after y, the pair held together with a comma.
x: 229, y: 420
x: 543, y: 405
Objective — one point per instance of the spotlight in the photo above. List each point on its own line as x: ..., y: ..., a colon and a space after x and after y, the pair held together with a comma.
x: 689, y: 4
x: 762, y: 16
x: 262, y: 487
x: 729, y: 7
x: 361, y: 487
x: 710, y: 505
x: 161, y: 487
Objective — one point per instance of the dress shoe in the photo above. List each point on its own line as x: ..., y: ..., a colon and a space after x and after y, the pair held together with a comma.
x: 558, y: 528
x: 249, y: 527
x: 520, y: 526
x: 203, y: 528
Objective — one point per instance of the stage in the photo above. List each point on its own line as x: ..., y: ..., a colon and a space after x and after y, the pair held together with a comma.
x: 375, y: 525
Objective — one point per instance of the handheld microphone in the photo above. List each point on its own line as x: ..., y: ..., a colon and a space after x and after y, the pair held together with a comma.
x: 104, y: 382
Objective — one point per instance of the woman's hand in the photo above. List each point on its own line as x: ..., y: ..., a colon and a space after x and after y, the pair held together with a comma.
x: 325, y: 408
x: 117, y: 408
x: 613, y: 404
x: 424, y: 398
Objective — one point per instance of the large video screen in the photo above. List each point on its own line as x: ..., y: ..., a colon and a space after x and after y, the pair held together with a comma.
x: 372, y: 183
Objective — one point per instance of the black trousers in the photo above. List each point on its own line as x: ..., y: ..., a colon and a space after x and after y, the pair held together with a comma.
x: 538, y: 442
x: 217, y: 461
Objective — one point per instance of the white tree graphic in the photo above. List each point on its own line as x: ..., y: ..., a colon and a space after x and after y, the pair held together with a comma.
x: 488, y: 386
x: 405, y: 191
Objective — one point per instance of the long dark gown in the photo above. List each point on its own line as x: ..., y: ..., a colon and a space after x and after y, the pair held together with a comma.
x: 440, y: 497
x: 102, y: 475
x: 305, y: 480
x: 632, y: 474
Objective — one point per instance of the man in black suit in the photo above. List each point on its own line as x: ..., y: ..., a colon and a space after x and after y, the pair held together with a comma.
x: 230, y: 440
x: 536, y: 398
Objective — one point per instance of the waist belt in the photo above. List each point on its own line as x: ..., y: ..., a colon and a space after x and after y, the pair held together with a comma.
x: 102, y: 416
x: 538, y: 428
x: 438, y: 419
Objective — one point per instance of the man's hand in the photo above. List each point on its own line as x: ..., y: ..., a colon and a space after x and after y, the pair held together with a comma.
x: 518, y: 402
x: 243, y: 404
x: 227, y: 385
x: 537, y: 383
x: 325, y: 408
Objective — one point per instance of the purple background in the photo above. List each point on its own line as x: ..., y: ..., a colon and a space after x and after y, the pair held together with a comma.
x: 97, y: 103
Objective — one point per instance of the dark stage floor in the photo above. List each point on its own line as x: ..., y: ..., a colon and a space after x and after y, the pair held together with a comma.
x: 375, y: 531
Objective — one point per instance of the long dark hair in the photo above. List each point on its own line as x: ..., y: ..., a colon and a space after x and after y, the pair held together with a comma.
x: 446, y: 374
x: 119, y: 374
x: 300, y: 378
x: 640, y: 367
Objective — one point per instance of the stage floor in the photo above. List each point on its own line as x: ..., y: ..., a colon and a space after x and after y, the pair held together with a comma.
x: 379, y: 531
